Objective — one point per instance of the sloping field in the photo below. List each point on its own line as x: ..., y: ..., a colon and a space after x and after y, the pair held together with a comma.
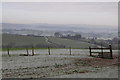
x: 41, y: 42
x: 70, y: 43
x: 17, y: 40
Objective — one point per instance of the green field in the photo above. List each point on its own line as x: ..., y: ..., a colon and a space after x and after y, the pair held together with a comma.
x: 70, y: 43
x: 17, y: 40
x: 21, y: 41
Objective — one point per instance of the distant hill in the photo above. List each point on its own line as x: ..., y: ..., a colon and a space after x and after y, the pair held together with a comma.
x: 61, y: 27
x: 101, y: 32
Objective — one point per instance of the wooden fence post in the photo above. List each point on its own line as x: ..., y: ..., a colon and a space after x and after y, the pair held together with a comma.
x: 32, y: 51
x: 27, y: 51
x: 101, y: 51
x: 111, y: 56
x: 70, y: 50
x: 90, y: 51
x: 49, y: 50
x: 8, y: 51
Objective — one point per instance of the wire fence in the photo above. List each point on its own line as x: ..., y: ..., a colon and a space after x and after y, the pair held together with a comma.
x: 47, y: 51
x: 101, y: 52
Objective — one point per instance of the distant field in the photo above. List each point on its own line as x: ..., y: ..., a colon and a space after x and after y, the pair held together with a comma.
x: 41, y: 42
x: 70, y: 43
x: 17, y: 40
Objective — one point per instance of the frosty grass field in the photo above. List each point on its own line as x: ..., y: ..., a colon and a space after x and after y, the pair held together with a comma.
x: 59, y: 64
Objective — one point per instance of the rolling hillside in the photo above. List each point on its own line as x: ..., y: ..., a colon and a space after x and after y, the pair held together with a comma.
x: 41, y: 42
x: 22, y: 41
x: 70, y: 43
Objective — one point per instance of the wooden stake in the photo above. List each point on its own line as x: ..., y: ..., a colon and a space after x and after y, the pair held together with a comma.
x: 70, y: 50
x: 90, y: 51
x: 32, y: 51
x: 8, y: 51
x: 101, y: 50
x: 27, y: 51
x: 111, y: 51
x: 49, y: 50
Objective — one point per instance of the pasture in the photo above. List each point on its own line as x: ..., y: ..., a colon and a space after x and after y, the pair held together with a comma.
x: 20, y: 41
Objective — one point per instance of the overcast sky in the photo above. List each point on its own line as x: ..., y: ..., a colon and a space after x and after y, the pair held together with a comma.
x: 99, y: 13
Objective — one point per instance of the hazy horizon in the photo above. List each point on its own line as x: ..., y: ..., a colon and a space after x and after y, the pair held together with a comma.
x: 58, y: 24
x: 88, y: 13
